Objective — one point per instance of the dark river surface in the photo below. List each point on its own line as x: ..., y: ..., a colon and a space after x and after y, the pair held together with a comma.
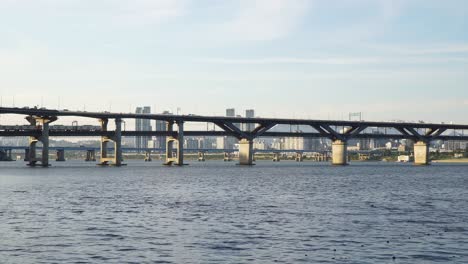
x: 216, y: 212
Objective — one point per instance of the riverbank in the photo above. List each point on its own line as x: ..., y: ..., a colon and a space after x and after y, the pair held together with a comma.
x: 465, y: 160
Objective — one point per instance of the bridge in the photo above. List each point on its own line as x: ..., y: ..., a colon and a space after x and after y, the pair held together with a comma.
x: 228, y: 153
x: 339, y: 132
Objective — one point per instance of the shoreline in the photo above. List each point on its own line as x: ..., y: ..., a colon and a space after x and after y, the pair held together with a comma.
x: 464, y: 160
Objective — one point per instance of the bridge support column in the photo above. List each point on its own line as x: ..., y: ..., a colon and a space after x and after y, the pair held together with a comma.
x: 170, y: 140
x: 104, y: 139
x: 90, y: 155
x: 299, y: 157
x: 32, y: 156
x: 26, y: 154
x: 43, y: 124
x: 246, y: 152
x: 227, y: 156
x: 60, y: 155
x: 339, y: 152
x: 45, y: 143
x: 421, y: 153
x: 148, y: 156
x: 201, y: 156
x: 276, y: 157
x: 180, y: 143
x: 9, y: 154
x: 116, y: 160
x: 178, y: 158
x: 118, y: 142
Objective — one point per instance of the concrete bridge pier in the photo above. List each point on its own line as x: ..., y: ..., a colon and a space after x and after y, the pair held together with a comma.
x: 276, y: 157
x: 104, y: 139
x: 170, y: 140
x: 180, y: 143
x: 227, y: 156
x: 26, y: 154
x: 60, y: 155
x: 318, y: 157
x: 201, y: 156
x: 246, y: 152
x: 116, y: 160
x: 148, y: 156
x: 90, y: 155
x: 299, y: 157
x: 118, y: 142
x: 43, y: 124
x: 421, y: 153
x: 178, y: 158
x: 339, y: 152
x: 9, y: 155
x: 32, y: 155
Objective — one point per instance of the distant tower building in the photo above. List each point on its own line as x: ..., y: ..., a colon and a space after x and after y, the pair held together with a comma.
x: 250, y: 113
x: 161, y: 126
x: 230, y: 112
x: 191, y: 143
x: 208, y: 143
x: 228, y: 142
x: 141, y: 142
x: 299, y: 143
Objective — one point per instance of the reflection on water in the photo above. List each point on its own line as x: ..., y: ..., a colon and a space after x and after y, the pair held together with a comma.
x: 215, y: 212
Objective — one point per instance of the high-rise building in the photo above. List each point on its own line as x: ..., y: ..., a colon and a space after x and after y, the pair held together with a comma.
x: 301, y: 143
x: 208, y: 142
x: 161, y: 126
x: 228, y: 142
x: 230, y: 112
x: 192, y: 143
x: 141, y: 142
x: 250, y: 113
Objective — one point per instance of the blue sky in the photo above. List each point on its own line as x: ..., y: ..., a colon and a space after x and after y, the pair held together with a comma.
x: 285, y: 58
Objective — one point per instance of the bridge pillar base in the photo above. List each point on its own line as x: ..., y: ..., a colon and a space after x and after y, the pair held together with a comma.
x: 246, y: 152
x: 299, y: 157
x: 8, y: 155
x: 201, y: 156
x: 276, y: 157
x: 90, y: 155
x: 26, y: 154
x: 421, y: 153
x: 227, y: 157
x: 60, y: 155
x: 339, y: 152
x: 148, y: 156
x: 116, y: 160
x: 177, y: 157
x: 41, y: 123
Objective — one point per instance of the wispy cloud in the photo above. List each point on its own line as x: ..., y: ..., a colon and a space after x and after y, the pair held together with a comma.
x: 335, y: 60
x: 267, y: 19
x: 292, y: 60
x: 425, y: 50
x: 117, y: 12
x: 141, y: 12
x: 351, y: 29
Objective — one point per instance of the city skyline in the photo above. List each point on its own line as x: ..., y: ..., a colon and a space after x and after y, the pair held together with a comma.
x: 404, y: 60
x: 233, y: 131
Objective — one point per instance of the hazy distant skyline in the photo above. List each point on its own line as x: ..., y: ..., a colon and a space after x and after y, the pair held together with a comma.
x: 284, y: 58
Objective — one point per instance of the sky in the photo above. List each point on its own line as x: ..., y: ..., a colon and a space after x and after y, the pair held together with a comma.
x: 390, y: 60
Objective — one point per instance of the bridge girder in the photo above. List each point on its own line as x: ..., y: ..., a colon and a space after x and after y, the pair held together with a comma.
x: 324, y: 128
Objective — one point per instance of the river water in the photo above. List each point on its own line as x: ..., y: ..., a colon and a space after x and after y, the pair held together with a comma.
x: 215, y: 212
